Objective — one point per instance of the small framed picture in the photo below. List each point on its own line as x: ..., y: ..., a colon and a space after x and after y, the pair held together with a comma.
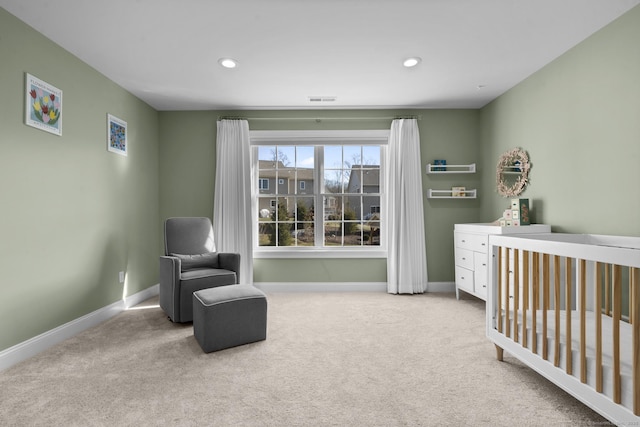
x: 116, y: 135
x: 458, y: 191
x: 43, y: 105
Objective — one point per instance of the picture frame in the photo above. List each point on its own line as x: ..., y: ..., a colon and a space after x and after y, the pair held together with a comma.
x: 43, y: 105
x: 117, y: 135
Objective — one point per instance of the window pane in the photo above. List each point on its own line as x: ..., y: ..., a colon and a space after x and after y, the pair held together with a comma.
x: 333, y: 180
x: 266, y: 156
x: 371, y: 233
x: 286, y: 156
x: 352, y: 156
x: 371, y: 208
x: 333, y: 157
x: 332, y: 233
x: 266, y: 206
x: 371, y: 180
x: 354, y: 180
x: 304, y: 236
x: 304, y: 178
x: 371, y: 155
x: 305, y: 157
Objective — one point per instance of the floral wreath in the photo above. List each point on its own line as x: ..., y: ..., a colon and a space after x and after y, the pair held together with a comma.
x: 515, y: 160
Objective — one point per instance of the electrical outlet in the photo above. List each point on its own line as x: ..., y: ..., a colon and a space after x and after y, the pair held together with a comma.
x: 121, y: 276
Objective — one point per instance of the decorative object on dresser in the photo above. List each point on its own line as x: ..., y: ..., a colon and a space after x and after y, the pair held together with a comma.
x: 517, y: 214
x: 472, y: 257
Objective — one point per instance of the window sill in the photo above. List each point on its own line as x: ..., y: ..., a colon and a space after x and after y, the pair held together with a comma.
x: 320, y: 253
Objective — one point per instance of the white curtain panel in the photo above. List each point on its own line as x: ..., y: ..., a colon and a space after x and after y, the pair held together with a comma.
x: 407, y: 255
x: 232, y: 224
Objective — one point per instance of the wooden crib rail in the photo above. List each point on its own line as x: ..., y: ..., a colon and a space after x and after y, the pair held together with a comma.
x: 535, y: 291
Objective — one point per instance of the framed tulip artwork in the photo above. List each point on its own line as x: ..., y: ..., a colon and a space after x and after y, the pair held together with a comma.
x: 116, y: 135
x: 43, y: 105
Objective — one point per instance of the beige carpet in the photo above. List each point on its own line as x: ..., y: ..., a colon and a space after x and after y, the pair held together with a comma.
x: 335, y: 359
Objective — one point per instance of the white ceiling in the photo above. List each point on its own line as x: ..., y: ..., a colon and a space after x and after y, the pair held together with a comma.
x: 166, y: 51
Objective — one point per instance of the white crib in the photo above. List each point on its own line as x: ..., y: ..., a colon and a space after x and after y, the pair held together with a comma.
x: 568, y: 305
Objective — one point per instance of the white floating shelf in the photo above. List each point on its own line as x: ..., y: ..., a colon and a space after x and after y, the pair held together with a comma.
x: 448, y: 194
x: 451, y: 168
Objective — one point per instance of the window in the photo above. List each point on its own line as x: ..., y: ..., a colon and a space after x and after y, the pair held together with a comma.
x: 330, y: 195
x: 263, y: 184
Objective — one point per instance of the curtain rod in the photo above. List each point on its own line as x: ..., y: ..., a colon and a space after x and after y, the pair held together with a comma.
x: 319, y: 119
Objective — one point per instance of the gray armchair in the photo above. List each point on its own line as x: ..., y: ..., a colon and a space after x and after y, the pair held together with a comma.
x: 189, y: 265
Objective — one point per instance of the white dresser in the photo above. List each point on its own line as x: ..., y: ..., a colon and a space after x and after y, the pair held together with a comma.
x: 472, y: 253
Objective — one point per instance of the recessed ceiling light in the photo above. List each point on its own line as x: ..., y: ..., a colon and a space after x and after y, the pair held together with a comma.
x: 411, y: 62
x: 228, y: 62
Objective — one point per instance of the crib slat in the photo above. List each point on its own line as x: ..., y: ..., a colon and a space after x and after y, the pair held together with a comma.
x: 617, y: 314
x: 525, y: 295
x: 607, y: 289
x: 583, y: 322
x: 516, y: 292
x: 507, y: 304
x: 556, y: 305
x: 598, y: 313
x: 567, y: 313
x: 635, y: 296
x: 536, y: 302
x: 499, y: 296
x: 632, y: 318
x: 545, y: 304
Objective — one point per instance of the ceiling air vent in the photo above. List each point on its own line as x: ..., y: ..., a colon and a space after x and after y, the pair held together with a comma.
x: 322, y: 98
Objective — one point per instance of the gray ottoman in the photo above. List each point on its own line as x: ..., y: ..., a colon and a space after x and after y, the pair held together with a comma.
x: 228, y: 316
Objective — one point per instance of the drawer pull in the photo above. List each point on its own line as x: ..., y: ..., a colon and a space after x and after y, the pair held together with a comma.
x: 464, y: 241
x: 484, y: 244
x: 464, y: 259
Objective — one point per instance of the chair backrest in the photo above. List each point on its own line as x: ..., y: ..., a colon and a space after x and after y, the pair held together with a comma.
x: 189, y: 236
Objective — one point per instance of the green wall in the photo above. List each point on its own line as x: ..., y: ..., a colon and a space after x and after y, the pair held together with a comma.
x: 187, y: 174
x: 73, y: 214
x: 579, y: 119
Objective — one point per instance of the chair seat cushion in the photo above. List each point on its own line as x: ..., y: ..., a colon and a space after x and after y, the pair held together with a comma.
x: 199, y: 273
x: 206, y: 260
x: 197, y: 279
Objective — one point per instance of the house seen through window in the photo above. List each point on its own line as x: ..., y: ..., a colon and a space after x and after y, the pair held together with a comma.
x: 319, y: 195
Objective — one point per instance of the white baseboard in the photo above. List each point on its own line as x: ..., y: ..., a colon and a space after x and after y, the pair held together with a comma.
x: 38, y: 344
x: 321, y: 286
x: 441, y: 287
x: 342, y: 287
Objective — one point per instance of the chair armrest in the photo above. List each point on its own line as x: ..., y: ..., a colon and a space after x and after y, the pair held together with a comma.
x: 169, y: 289
x: 230, y: 261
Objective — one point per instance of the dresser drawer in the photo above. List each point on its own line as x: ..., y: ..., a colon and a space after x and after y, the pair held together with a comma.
x: 480, y: 243
x: 464, y: 240
x: 464, y: 279
x: 472, y: 242
x: 464, y: 258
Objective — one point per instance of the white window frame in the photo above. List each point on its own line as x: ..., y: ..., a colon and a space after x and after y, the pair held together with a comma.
x: 262, y: 187
x: 321, y: 138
